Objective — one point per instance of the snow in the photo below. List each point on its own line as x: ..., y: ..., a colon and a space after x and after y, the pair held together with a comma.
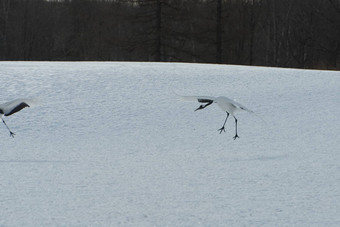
x: 112, y: 145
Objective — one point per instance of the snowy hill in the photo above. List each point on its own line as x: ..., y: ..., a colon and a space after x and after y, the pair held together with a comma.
x: 112, y: 145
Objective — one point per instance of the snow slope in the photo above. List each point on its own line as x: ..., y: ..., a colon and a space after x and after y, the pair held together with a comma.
x: 112, y: 145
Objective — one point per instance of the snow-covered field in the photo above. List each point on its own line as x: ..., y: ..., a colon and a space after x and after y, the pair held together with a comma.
x: 112, y: 145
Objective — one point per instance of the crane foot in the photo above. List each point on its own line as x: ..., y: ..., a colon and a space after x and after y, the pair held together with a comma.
x: 221, y: 129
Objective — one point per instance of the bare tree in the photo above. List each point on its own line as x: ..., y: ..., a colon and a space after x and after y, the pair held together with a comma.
x: 5, y: 8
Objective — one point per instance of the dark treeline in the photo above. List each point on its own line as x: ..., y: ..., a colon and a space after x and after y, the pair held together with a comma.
x: 285, y: 33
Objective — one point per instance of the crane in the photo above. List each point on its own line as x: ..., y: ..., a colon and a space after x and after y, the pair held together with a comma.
x: 226, y: 105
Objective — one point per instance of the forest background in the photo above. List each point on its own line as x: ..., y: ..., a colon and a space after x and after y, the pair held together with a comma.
x: 285, y: 33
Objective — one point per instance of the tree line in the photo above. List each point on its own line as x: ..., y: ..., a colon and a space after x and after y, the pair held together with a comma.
x: 285, y: 33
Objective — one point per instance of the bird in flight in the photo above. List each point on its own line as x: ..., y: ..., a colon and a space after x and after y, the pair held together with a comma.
x: 226, y: 105
x: 9, y: 108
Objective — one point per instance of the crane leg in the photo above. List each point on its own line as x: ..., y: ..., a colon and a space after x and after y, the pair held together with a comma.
x: 222, y: 129
x: 236, y: 136
x: 10, y: 132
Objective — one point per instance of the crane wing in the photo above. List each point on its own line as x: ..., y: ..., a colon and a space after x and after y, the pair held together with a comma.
x: 14, y: 106
x: 17, y: 108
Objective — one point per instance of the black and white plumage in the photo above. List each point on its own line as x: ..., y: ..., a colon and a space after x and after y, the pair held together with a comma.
x: 9, y: 108
x: 227, y: 105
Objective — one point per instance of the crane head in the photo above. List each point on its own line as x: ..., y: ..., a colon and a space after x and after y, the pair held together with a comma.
x: 199, y: 108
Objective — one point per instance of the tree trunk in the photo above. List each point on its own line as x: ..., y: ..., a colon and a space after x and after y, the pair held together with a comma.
x: 219, y: 31
x: 159, y: 54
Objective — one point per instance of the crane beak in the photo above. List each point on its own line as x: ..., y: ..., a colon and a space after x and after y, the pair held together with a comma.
x: 199, y: 108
